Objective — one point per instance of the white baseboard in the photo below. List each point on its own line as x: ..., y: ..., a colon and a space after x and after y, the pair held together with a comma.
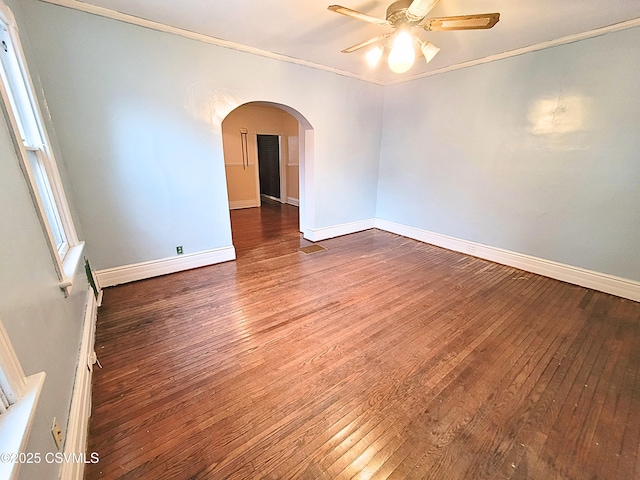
x: 317, y: 234
x: 237, y: 204
x: 270, y: 197
x: 78, y: 425
x: 293, y: 201
x: 139, y: 271
x: 602, y: 282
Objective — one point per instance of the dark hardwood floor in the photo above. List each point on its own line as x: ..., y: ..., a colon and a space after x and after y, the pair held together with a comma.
x: 266, y: 232
x: 379, y: 357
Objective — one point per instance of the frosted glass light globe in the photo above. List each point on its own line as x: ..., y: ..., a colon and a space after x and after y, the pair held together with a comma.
x: 402, y: 54
x: 373, y: 56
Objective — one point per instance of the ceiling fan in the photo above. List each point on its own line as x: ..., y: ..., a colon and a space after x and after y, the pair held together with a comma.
x: 406, y: 16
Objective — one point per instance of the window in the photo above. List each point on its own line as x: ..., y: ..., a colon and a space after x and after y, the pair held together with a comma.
x: 33, y: 148
x: 12, y: 380
x: 18, y: 400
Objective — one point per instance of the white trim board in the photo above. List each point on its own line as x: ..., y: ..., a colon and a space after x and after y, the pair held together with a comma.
x: 80, y: 411
x: 142, y: 22
x: 140, y: 271
x: 238, y: 204
x: 521, y: 51
x: 22, y: 393
x: 317, y: 234
x: 602, y: 282
x: 161, y: 27
x: 18, y: 421
x: 293, y: 201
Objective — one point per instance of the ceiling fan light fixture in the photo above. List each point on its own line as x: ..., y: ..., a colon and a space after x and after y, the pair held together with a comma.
x: 429, y: 50
x: 402, y: 54
x: 373, y: 56
x: 406, y: 17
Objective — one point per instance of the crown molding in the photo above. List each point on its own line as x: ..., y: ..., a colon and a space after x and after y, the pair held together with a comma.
x: 521, y: 51
x: 142, y: 22
x: 161, y: 27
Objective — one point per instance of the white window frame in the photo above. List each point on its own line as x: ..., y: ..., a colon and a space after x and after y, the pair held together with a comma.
x: 20, y: 397
x: 33, y: 147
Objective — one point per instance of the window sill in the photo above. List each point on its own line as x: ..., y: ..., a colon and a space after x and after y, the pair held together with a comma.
x: 70, y: 267
x: 15, y: 425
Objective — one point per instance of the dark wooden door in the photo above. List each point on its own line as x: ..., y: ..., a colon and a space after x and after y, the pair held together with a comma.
x: 269, y: 162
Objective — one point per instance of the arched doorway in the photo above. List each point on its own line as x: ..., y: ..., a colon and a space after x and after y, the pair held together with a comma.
x: 245, y: 132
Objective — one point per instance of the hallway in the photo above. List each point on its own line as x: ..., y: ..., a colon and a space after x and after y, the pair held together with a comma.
x: 269, y: 231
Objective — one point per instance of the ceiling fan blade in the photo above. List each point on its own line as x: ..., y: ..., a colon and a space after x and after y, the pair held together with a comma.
x: 480, y: 21
x: 360, y: 16
x: 366, y: 43
x: 419, y: 8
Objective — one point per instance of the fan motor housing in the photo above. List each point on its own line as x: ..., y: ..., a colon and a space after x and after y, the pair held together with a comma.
x: 397, y: 11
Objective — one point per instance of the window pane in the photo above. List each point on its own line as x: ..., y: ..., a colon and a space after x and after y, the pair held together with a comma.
x: 34, y: 153
x: 4, y: 401
x: 48, y: 201
x: 16, y: 85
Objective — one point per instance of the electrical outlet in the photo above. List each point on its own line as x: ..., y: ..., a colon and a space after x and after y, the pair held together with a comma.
x: 179, y: 250
x: 57, y: 433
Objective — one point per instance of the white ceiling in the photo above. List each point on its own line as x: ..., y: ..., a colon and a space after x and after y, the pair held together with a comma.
x: 306, y: 30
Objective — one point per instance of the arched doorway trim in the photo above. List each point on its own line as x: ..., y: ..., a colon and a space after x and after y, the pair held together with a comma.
x: 306, y: 161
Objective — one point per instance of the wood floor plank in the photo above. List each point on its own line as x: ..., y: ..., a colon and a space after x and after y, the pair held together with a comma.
x: 440, y: 411
x: 538, y: 400
x: 517, y: 412
x: 372, y: 366
x: 403, y: 406
x: 457, y: 422
x: 626, y: 409
x: 377, y: 357
x: 593, y: 399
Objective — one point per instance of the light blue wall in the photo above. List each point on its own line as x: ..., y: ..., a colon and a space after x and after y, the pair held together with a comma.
x: 44, y: 326
x: 130, y: 109
x: 538, y: 154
